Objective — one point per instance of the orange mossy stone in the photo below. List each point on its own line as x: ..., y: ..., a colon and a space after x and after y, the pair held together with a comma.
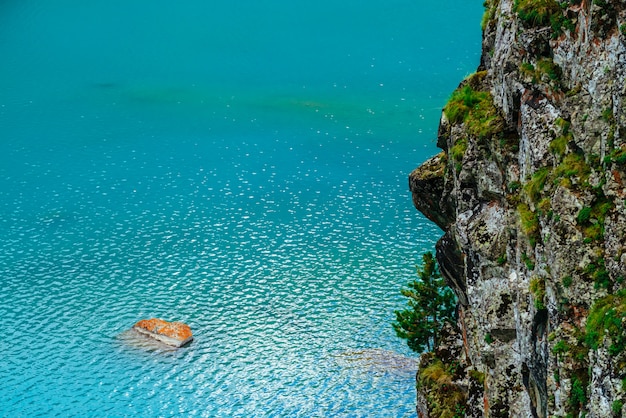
x: 172, y: 333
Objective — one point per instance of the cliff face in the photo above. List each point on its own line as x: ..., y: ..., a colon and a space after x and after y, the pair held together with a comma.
x: 529, y: 190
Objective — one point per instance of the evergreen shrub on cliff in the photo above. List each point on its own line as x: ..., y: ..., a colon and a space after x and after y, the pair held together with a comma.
x: 430, y: 305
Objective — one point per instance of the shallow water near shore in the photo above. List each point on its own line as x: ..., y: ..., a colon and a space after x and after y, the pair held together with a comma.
x: 242, y: 168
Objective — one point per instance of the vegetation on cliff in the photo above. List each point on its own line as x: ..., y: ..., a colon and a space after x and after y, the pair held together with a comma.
x: 431, y: 304
x: 535, y: 176
x: 474, y: 107
x: 438, y: 379
x: 429, y: 323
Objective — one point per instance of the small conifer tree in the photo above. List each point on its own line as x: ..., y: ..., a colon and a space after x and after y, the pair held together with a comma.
x: 431, y: 304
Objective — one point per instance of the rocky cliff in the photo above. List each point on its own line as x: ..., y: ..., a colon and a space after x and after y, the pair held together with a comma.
x: 529, y: 190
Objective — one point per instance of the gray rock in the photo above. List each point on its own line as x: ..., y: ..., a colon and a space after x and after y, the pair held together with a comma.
x: 525, y: 261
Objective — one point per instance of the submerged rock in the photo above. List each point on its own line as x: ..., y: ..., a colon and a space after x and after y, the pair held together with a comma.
x: 175, y: 334
x: 377, y: 360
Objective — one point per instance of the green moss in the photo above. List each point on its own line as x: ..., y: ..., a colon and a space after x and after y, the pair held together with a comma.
x: 529, y: 222
x: 536, y: 12
x: 529, y: 263
x: 598, y: 273
x: 558, y: 145
x: 491, y: 6
x: 593, y: 232
x: 574, y: 350
x: 574, y: 91
x: 607, y: 115
x: 538, y: 289
x: 583, y: 215
x: 514, y: 186
x: 488, y: 339
x: 592, y: 219
x: 619, y: 156
x: 475, y: 109
x: 545, y: 207
x: 485, y: 121
x: 573, y: 166
x: 600, y: 208
x: 477, y: 376
x: 578, y: 394
x: 535, y: 185
x: 605, y: 320
x: 458, y: 149
x: 563, y: 124
x: 547, y: 67
x: 561, y: 348
x: 567, y: 281
x: 545, y: 71
x: 560, y: 22
x: 436, y: 378
x: 527, y: 69
x: 590, y: 268
x: 617, y: 406
x: 461, y: 103
x: 545, y: 13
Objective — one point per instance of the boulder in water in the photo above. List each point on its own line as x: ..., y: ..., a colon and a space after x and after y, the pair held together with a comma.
x: 175, y: 334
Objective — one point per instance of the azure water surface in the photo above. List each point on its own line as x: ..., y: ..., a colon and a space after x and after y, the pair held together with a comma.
x: 240, y: 166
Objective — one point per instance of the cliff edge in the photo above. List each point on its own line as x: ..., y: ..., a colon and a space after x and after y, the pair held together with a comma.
x: 529, y: 190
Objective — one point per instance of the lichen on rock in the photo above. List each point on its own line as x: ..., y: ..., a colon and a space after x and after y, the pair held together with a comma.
x: 175, y: 334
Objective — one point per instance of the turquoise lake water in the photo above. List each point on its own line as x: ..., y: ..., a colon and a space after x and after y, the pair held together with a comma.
x: 239, y: 166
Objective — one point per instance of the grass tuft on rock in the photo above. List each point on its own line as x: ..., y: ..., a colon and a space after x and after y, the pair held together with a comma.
x: 529, y: 221
x: 606, y: 319
x: 457, y: 152
x: 536, y: 12
x: 446, y: 399
x: 476, y: 109
x: 572, y: 168
x: 534, y: 187
x: 592, y: 218
x: 558, y: 145
x: 538, y: 289
x: 619, y: 156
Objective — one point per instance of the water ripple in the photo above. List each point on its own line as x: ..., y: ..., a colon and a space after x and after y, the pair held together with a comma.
x: 279, y: 228
x: 290, y: 302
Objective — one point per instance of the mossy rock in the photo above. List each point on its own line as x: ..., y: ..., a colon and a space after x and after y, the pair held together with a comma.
x: 536, y: 12
x: 473, y: 106
x: 437, y: 381
x: 605, y: 320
